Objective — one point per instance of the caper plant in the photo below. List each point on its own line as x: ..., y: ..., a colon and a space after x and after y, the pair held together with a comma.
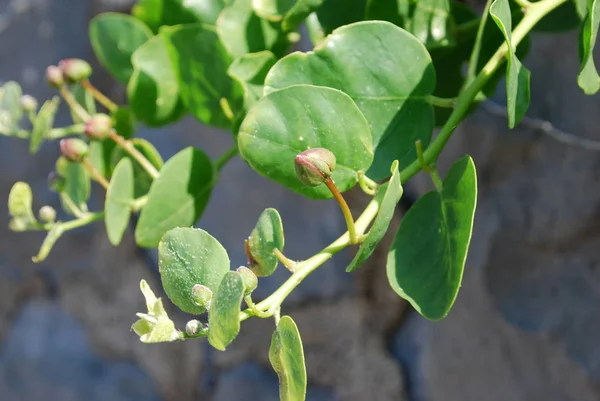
x: 360, y: 108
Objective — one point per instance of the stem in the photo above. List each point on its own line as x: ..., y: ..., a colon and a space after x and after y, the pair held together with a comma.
x: 288, y: 263
x: 133, y: 152
x: 73, y: 104
x: 523, y: 3
x: 432, y: 171
x: 225, y: 157
x: 366, y: 184
x: 255, y: 311
x: 94, y: 173
x: 474, y: 59
x: 56, y: 133
x: 535, y: 13
x: 139, y: 203
x: 345, y: 210
x: 441, y: 102
x: 226, y: 108
x: 99, y: 96
x: 73, y: 208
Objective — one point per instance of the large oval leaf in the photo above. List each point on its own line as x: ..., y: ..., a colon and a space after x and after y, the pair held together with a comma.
x: 114, y: 38
x: 264, y: 239
x: 287, y: 358
x: 292, y: 120
x: 224, y: 314
x: 425, y: 265
x: 190, y: 256
x: 386, y: 71
x: 117, y: 206
x: 157, y: 13
x: 177, y: 197
x: 202, y: 62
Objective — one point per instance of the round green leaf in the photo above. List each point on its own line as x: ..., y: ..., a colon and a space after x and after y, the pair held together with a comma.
x: 153, y: 89
x: 388, y: 196
x: 177, y: 197
x: 389, y: 82
x: 251, y: 70
x: 114, y: 38
x: 189, y: 256
x: 287, y: 358
x: 157, y: 13
x: 117, y: 206
x: 224, y: 313
x: 292, y: 120
x: 43, y: 123
x: 264, y: 239
x: 425, y: 265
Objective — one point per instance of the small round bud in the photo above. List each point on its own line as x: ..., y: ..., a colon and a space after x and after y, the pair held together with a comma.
x: 194, y: 328
x: 28, y: 103
x: 202, y: 296
x: 73, y: 149
x: 75, y: 70
x: 47, y: 214
x: 54, y: 76
x: 314, y: 166
x: 98, y: 126
x: 56, y: 183
x: 249, y: 278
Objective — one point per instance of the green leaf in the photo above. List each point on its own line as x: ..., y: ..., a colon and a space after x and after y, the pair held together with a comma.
x: 581, y: 7
x: 432, y: 23
x: 77, y: 186
x: 10, y: 108
x: 266, y: 236
x: 189, y: 256
x: 143, y: 180
x: 425, y: 265
x: 393, y: 103
x: 43, y: 123
x: 588, y: 78
x: 242, y: 31
x: 224, y: 313
x: 202, y: 62
x: 20, y: 204
x: 153, y: 90
x: 287, y: 358
x: 119, y: 196
x: 388, y: 197
x: 177, y: 197
x: 289, y: 121
x: 517, y: 76
x: 114, y: 38
x: 84, y: 98
x: 395, y: 11
x: 289, y: 12
x: 123, y: 122
x: 251, y: 70
x: 155, y: 326
x: 158, y: 13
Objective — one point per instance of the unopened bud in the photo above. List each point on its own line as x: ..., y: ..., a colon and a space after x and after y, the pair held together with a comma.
x: 73, y: 149
x: 75, y: 70
x: 47, y: 214
x: 28, y: 103
x: 56, y: 183
x: 194, y: 328
x: 54, y: 76
x: 248, y: 278
x: 202, y: 296
x: 314, y: 166
x: 98, y: 126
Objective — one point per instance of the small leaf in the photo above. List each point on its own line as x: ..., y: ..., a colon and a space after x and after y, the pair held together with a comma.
x: 251, y: 70
x: 114, y: 38
x: 224, y: 314
x: 158, y: 13
x: 425, y: 265
x: 264, y: 239
x: 202, y: 62
x: 190, y: 256
x: 43, y: 123
x: 77, y: 186
x: 153, y: 90
x: 143, y: 180
x: 289, y: 121
x: 388, y: 197
x: 588, y: 78
x: 119, y: 196
x: 20, y: 203
x: 517, y: 76
x: 84, y: 98
x: 432, y: 23
x: 123, y: 121
x: 154, y: 326
x: 10, y: 108
x: 290, y: 12
x: 287, y: 358
x: 177, y: 198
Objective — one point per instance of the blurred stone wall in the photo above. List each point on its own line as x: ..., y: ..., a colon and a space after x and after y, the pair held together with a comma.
x: 526, y: 325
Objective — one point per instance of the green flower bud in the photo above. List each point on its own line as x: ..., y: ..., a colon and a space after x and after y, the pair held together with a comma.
x: 56, y: 183
x: 47, y: 214
x: 73, y: 149
x: 249, y: 278
x: 28, y: 103
x: 202, y: 296
x: 195, y: 328
x: 98, y: 126
x: 54, y: 76
x: 314, y: 166
x: 75, y: 70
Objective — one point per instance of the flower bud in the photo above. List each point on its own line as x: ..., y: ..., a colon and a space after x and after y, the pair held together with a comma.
x: 248, y: 278
x: 54, y: 76
x: 195, y: 328
x: 73, y: 149
x: 314, y: 166
x: 98, y: 126
x: 47, y: 214
x: 202, y: 296
x: 75, y: 70
x: 56, y: 183
x: 28, y: 103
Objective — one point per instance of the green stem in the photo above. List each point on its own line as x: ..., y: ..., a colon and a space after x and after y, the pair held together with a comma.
x: 73, y: 104
x: 226, y: 157
x: 139, y: 203
x: 366, y: 184
x: 255, y: 311
x: 534, y: 14
x: 345, y: 210
x: 288, y: 263
x: 441, y: 102
x: 226, y: 108
x: 95, y: 174
x: 56, y: 133
x: 99, y: 96
x: 133, y: 152
x: 524, y: 3
x: 474, y: 59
